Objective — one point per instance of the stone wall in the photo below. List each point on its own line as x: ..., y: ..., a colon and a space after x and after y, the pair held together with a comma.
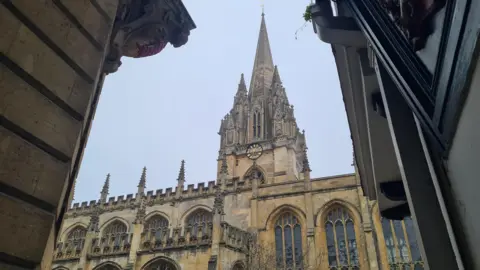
x: 50, y: 60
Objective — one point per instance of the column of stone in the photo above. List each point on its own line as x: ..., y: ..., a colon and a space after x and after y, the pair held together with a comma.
x: 313, y: 262
x: 367, y: 224
x: 140, y: 204
x: 218, y: 214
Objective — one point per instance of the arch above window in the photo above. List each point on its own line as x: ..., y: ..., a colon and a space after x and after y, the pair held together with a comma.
x: 77, y: 233
x: 108, y: 266
x: 156, y: 222
x: 114, y: 228
x: 238, y: 266
x: 162, y: 263
x: 255, y: 172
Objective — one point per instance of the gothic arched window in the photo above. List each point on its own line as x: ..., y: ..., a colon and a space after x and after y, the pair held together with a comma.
x: 199, y: 218
x: 238, y: 266
x: 115, y: 228
x: 288, y: 242
x: 77, y: 233
x: 341, y: 240
x: 402, y: 248
x: 161, y: 264
x: 156, y: 223
x: 257, y: 125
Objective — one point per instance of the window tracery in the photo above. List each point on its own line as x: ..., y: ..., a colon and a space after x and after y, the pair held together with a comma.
x: 402, y: 248
x: 156, y: 223
x: 115, y: 228
x: 341, y: 240
x: 288, y: 242
x: 199, y: 219
x: 161, y: 264
x: 77, y: 233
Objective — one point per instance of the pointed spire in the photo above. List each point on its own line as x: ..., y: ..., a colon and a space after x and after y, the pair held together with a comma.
x: 276, y: 76
x: 263, y: 64
x: 181, y: 173
x: 142, y: 184
x: 104, y: 193
x: 242, y: 88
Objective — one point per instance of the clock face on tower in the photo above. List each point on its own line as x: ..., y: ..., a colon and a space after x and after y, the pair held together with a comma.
x: 254, y: 151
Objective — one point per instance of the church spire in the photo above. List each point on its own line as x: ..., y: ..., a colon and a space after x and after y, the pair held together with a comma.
x: 263, y: 64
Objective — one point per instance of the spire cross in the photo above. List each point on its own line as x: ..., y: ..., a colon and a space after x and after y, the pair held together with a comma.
x: 263, y: 7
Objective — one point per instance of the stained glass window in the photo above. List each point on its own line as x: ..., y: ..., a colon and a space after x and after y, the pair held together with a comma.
x: 288, y: 242
x: 341, y: 240
x: 401, y: 244
x: 199, y: 218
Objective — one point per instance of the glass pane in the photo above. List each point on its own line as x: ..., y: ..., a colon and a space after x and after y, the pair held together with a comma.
x: 341, y: 243
x: 401, y: 243
x: 412, y: 240
x: 332, y: 252
x: 297, y: 236
x: 288, y: 245
x: 387, y: 234
x: 352, y: 244
x: 279, y: 245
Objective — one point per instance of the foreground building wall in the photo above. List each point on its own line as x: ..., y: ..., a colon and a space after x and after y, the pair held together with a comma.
x: 408, y: 81
x: 52, y: 66
x: 51, y: 57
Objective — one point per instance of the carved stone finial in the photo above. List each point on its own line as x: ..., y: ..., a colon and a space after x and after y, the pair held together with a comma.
x: 104, y: 192
x: 181, y: 173
x: 142, y: 184
x: 306, y: 163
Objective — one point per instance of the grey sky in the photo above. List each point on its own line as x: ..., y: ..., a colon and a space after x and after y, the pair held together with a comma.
x: 157, y: 111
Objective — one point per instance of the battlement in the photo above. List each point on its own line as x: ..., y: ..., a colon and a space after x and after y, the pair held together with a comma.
x: 153, y: 196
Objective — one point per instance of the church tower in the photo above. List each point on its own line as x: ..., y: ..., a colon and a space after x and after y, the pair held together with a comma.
x: 264, y: 116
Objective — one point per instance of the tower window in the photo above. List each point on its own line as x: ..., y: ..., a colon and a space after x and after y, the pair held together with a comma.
x: 257, y: 125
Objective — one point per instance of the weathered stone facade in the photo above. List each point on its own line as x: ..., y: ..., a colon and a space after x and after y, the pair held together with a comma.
x: 54, y: 56
x: 215, y: 225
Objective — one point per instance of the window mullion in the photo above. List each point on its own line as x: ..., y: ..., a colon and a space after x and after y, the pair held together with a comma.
x: 337, y: 250
x: 346, y: 240
x: 407, y: 243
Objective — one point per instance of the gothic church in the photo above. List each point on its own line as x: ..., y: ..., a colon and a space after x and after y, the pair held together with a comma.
x: 263, y: 212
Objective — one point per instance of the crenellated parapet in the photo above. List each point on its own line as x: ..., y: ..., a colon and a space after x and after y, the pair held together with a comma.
x: 152, y: 197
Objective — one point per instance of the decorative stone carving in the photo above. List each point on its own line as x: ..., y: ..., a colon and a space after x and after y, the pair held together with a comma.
x: 218, y: 202
x: 144, y: 28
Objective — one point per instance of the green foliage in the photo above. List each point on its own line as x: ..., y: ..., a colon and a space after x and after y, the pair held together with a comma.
x: 308, y: 14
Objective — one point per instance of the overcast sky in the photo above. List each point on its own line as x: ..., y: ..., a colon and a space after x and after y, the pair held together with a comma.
x: 157, y: 111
